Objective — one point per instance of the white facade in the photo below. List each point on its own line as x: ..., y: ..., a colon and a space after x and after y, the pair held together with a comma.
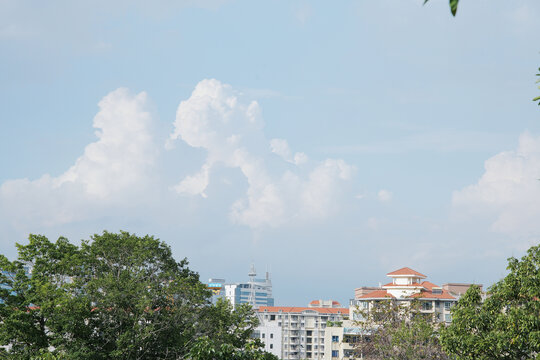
x: 302, y: 328
x: 339, y: 341
x: 271, y: 335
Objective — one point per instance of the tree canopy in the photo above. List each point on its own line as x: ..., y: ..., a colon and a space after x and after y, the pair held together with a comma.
x: 116, y: 296
x: 506, y: 325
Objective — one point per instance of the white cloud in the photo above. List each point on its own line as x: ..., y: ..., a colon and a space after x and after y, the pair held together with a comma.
x: 217, y: 119
x: 384, y: 195
x: 508, y: 193
x: 281, y: 148
x: 113, y: 170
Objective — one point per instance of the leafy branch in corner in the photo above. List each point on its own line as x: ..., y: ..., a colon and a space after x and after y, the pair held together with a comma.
x: 453, y: 6
x: 538, y: 81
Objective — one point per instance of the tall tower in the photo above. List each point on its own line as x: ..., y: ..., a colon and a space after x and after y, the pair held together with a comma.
x: 252, y: 273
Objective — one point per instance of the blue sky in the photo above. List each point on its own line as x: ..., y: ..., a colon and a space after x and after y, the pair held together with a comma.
x: 329, y: 142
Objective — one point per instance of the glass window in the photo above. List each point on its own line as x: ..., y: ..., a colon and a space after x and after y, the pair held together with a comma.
x: 335, y: 353
x: 447, y: 305
x: 335, y: 338
x: 271, y: 336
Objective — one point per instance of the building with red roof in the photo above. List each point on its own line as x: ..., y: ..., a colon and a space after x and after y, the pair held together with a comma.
x: 293, y: 332
x: 406, y: 285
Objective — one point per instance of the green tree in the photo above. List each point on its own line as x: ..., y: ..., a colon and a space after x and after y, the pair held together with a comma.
x: 507, y: 324
x: 117, y: 296
x: 398, y: 330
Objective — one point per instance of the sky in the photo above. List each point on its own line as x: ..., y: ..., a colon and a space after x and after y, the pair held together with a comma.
x: 328, y: 143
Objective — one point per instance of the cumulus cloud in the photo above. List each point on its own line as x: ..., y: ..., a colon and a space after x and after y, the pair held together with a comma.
x: 384, y: 195
x: 281, y: 148
x: 112, y: 169
x: 217, y: 119
x: 508, y: 193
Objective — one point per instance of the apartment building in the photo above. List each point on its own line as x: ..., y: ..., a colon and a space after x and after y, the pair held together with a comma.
x: 339, y: 341
x: 302, y: 328
x: 406, y: 285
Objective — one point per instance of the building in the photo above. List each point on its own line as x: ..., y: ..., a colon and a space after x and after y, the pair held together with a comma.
x: 458, y: 289
x: 339, y: 341
x: 217, y: 286
x: 256, y: 292
x: 407, y: 285
x: 271, y: 335
x: 302, y: 328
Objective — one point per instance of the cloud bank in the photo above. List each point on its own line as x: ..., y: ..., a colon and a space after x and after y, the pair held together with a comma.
x: 124, y: 170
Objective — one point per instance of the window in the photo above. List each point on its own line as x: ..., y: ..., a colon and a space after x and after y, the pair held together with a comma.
x: 263, y: 335
x: 272, y: 317
x: 447, y: 317
x: 335, y: 353
x: 364, y: 304
x: 335, y: 338
x: 447, y: 305
x: 427, y: 305
x: 271, y: 346
x: 271, y: 336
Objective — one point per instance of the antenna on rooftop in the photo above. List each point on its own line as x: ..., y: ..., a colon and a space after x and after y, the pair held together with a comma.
x: 252, y: 273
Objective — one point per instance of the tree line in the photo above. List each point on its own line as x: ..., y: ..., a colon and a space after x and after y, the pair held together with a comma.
x: 116, y: 296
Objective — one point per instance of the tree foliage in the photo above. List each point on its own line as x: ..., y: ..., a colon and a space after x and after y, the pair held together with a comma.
x: 398, y: 331
x: 117, y: 296
x: 507, y: 324
x: 538, y: 81
x: 453, y: 6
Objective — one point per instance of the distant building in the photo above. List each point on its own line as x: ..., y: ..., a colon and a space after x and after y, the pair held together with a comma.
x: 408, y: 284
x: 256, y: 292
x: 218, y: 288
x: 302, y: 328
x: 325, y: 304
x: 458, y: 289
x: 363, y: 290
x: 339, y: 341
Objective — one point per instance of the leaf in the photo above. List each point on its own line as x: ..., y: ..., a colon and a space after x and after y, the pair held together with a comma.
x: 453, y: 6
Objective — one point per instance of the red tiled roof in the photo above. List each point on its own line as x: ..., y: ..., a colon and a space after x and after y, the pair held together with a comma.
x: 314, y: 302
x: 429, y: 285
x: 295, y: 309
x: 377, y: 294
x: 406, y: 271
x: 429, y: 295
